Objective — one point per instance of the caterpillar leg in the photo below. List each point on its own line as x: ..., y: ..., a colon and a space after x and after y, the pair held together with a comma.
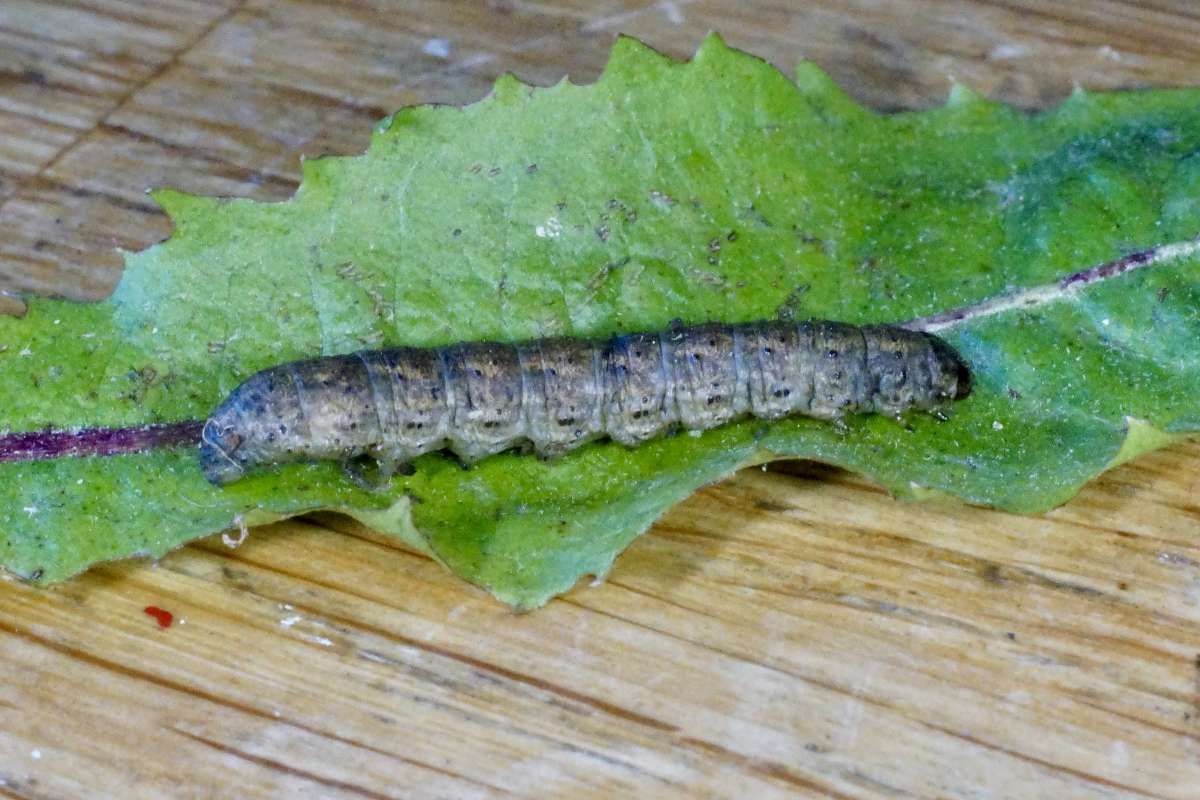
x: 374, y: 475
x: 464, y: 463
x: 389, y: 467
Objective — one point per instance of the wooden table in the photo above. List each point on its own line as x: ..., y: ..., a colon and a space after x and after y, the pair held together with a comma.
x: 790, y: 632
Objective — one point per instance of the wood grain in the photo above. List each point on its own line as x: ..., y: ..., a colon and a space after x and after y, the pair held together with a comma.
x: 793, y: 632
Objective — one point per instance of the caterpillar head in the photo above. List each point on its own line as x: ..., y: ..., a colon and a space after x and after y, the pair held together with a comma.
x: 220, y: 442
x: 255, y: 425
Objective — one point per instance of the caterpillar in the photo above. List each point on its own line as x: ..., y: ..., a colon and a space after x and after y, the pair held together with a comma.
x: 479, y: 398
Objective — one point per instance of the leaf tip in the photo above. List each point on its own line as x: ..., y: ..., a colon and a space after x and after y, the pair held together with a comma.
x: 630, y: 54
x: 508, y: 88
x: 395, y: 520
x: 962, y: 95
x: 12, y: 306
x: 818, y: 86
x: 382, y: 126
x: 1141, y: 436
x: 712, y: 44
x: 624, y: 43
x: 311, y: 170
x: 180, y: 205
x: 1079, y: 102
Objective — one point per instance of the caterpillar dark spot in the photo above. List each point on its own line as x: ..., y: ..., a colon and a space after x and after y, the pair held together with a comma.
x: 479, y: 398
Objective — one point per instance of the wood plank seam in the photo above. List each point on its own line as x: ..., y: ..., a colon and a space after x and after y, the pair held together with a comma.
x: 222, y: 702
x: 24, y: 184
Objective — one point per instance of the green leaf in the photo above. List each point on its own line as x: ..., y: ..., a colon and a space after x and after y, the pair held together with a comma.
x: 713, y: 190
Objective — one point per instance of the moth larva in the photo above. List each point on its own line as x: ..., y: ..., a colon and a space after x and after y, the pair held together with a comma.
x: 479, y: 398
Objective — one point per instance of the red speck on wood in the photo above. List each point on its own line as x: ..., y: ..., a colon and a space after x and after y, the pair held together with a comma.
x: 163, y: 616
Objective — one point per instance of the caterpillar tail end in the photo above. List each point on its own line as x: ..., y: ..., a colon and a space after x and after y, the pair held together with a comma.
x: 952, y: 379
x: 963, y: 380
x: 964, y: 385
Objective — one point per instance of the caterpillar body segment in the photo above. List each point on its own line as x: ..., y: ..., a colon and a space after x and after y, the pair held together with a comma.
x: 555, y: 394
